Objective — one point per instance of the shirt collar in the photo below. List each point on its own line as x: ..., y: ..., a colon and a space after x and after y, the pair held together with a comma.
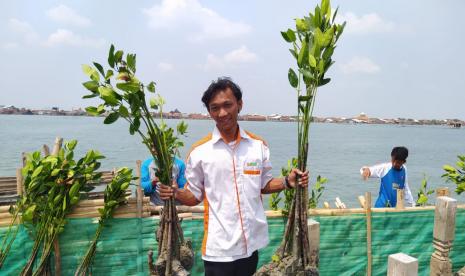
x: 216, y: 135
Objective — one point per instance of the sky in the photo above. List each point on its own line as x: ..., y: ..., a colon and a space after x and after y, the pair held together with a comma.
x: 395, y: 58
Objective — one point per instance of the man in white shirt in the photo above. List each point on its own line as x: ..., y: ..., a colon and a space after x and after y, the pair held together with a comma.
x: 228, y: 170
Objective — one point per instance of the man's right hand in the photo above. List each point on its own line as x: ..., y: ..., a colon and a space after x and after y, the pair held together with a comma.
x: 365, y: 173
x: 166, y: 192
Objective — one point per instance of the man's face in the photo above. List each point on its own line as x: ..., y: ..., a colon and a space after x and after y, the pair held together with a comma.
x: 224, y: 108
x: 397, y: 164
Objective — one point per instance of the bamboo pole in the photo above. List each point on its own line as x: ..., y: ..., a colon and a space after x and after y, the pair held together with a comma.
x: 19, y: 182
x: 56, y: 244
x: 368, y: 217
x: 139, y: 194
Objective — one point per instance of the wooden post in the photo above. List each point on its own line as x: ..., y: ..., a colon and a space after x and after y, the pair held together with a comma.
x: 23, y: 158
x: 19, y: 182
x: 444, y: 191
x: 361, y: 200
x: 139, y: 194
x: 46, y: 150
x: 400, y: 199
x: 368, y: 216
x: 56, y: 244
x: 443, y: 236
x: 314, y: 242
x: 57, y: 145
x: 401, y: 264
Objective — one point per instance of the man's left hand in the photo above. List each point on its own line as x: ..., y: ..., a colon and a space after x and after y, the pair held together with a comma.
x: 294, y: 174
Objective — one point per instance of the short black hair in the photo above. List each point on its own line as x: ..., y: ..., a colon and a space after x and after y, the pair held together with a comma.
x: 221, y: 84
x: 399, y: 153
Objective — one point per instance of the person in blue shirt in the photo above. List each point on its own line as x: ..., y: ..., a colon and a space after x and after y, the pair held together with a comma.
x: 150, y: 182
x: 393, y: 176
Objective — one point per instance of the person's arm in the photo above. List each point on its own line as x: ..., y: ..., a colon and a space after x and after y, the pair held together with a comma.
x: 184, y: 196
x: 376, y: 171
x: 145, y: 180
x: 278, y: 184
x: 407, y: 193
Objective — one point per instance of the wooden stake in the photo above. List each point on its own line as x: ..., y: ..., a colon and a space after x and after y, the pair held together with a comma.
x: 400, y: 199
x: 19, y: 182
x: 139, y: 194
x: 368, y: 216
x: 46, y: 150
x: 56, y: 245
x: 57, y: 145
x: 361, y: 200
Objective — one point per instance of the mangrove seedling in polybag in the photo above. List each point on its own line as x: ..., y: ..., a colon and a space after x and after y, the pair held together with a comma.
x: 125, y: 98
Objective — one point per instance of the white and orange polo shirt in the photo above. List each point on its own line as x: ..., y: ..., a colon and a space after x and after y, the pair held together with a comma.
x: 229, y: 179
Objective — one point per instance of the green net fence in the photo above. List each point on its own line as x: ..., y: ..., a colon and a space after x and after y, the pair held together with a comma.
x: 124, y: 244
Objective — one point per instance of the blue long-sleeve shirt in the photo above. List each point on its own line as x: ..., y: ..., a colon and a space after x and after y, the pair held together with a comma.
x: 148, y: 173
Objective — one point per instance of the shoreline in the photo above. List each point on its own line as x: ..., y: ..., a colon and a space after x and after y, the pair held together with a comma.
x: 452, y: 123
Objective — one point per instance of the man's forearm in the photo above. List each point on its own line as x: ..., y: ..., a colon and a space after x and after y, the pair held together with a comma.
x: 186, y: 197
x: 274, y: 185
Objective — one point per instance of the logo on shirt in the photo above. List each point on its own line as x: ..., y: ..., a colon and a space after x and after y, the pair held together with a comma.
x: 252, y: 168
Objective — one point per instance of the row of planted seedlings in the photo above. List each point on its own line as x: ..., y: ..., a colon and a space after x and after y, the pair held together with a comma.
x: 54, y: 184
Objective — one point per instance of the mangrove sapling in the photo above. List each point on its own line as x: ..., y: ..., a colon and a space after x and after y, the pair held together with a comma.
x: 126, y: 99
x: 423, y: 193
x: 114, y: 196
x: 313, y: 43
x: 52, y: 187
x: 456, y: 175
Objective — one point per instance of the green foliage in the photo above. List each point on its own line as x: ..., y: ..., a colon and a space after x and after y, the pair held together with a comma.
x: 423, y: 193
x: 53, y: 185
x: 123, y: 97
x: 317, y: 192
x: 114, y: 196
x: 456, y: 175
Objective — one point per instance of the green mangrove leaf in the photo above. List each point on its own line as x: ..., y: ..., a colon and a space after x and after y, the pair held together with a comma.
x: 123, y: 111
x: 108, y: 95
x: 91, y: 86
x: 99, y: 68
x: 151, y: 87
x: 129, y: 86
x: 131, y: 59
x: 111, y: 118
x: 118, y: 56
x: 312, y: 60
x: 111, y: 56
x: 293, y: 79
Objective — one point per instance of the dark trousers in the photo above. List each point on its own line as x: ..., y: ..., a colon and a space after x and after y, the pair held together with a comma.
x: 241, y: 267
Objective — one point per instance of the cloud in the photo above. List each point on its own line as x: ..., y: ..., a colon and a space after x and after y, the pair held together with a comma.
x: 10, y: 45
x: 67, y: 37
x: 191, y: 14
x: 238, y: 56
x: 360, y: 65
x: 66, y: 15
x: 365, y: 24
x: 23, y: 29
x: 165, y: 67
